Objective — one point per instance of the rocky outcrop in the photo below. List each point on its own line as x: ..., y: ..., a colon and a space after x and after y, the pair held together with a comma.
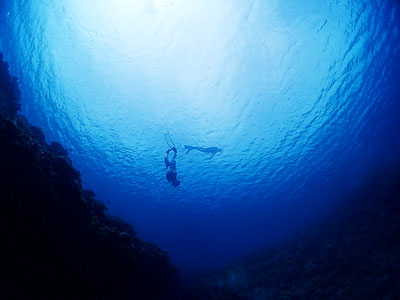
x: 57, y: 242
x: 353, y: 255
x: 9, y: 93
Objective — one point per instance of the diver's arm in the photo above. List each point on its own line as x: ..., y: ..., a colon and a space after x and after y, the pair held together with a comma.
x: 166, y: 161
x: 188, y: 148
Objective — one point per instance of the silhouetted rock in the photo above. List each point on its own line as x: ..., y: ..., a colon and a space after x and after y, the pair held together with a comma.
x: 9, y: 93
x: 355, y: 254
x: 56, y: 240
x: 57, y: 149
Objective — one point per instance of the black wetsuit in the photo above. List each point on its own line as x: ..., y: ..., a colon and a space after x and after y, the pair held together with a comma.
x: 170, y: 165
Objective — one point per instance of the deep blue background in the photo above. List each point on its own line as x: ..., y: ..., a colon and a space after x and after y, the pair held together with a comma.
x: 302, y: 96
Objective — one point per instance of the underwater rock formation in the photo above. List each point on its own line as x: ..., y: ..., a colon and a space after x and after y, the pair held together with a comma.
x: 353, y: 254
x: 56, y: 240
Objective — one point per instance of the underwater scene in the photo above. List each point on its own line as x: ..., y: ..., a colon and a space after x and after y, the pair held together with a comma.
x: 237, y: 149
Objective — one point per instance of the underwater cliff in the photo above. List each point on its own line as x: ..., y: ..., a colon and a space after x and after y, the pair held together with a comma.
x: 57, y: 242
x: 352, y: 254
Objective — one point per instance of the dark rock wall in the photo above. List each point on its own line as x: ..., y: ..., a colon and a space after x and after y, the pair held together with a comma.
x: 355, y: 254
x: 56, y: 242
x: 9, y: 93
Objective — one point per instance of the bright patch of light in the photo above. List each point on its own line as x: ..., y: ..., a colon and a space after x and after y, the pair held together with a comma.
x: 179, y: 46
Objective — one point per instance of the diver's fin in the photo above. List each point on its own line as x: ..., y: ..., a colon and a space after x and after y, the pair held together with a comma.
x: 169, y: 140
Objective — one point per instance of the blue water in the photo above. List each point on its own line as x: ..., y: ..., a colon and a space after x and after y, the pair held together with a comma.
x: 302, y: 96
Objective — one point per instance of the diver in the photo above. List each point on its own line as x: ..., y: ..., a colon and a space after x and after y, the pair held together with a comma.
x: 170, y: 164
x: 211, y: 150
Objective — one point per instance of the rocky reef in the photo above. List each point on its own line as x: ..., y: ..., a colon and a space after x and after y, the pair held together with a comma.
x: 57, y: 242
x: 353, y: 254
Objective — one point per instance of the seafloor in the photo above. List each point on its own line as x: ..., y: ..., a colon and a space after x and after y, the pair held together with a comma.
x: 354, y: 254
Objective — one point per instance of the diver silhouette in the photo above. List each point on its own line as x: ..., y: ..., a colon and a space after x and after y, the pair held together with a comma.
x: 211, y: 150
x: 170, y: 164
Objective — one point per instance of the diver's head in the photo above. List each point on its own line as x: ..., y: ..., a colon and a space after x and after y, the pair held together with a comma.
x: 176, y: 183
x: 219, y: 150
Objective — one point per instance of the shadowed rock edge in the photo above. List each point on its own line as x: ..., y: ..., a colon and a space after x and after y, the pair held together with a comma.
x: 56, y: 240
